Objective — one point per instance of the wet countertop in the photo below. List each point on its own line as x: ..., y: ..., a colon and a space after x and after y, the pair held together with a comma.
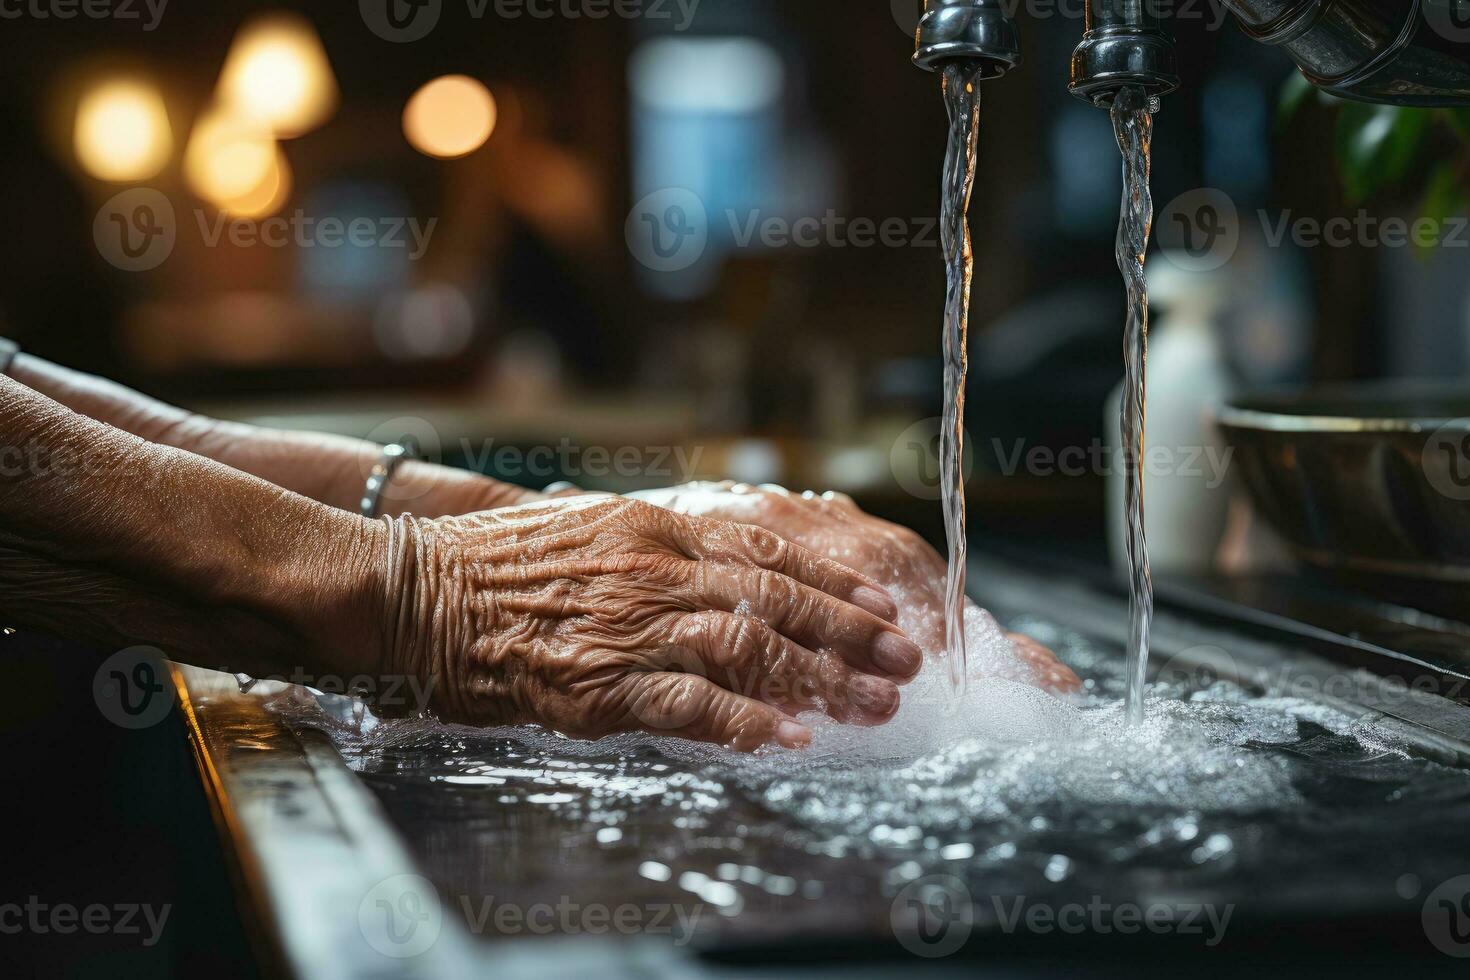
x: 519, y: 846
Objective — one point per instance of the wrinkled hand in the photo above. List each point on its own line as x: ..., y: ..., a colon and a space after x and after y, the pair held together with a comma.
x: 831, y: 525
x: 594, y: 615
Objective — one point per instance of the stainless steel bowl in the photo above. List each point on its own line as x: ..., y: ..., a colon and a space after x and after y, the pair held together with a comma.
x: 1369, y: 479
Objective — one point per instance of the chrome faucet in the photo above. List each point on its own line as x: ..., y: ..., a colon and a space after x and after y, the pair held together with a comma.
x: 1403, y: 52
x: 979, y: 31
x: 1124, y: 44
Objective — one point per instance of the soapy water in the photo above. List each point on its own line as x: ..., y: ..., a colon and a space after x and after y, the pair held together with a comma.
x: 1005, y: 748
x: 1013, y: 791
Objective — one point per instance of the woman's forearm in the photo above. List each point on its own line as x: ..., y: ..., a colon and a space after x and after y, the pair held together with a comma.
x: 330, y: 469
x: 104, y: 535
x: 110, y: 612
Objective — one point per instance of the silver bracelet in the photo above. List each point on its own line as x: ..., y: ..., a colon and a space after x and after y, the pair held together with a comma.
x: 378, y: 479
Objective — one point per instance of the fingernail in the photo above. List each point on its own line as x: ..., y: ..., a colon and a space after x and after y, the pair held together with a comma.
x: 897, y: 654
x: 875, y: 601
x: 793, y: 735
x: 874, y: 695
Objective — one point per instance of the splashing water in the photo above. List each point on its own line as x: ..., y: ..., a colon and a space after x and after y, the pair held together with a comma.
x: 962, y: 101
x: 1133, y: 125
x: 1255, y: 798
x: 1218, y: 791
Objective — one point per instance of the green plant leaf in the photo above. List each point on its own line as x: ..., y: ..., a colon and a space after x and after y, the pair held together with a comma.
x: 1294, y: 92
x: 1377, y: 144
x: 1446, y: 195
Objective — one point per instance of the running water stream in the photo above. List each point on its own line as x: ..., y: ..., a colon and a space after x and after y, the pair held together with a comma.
x: 1134, y: 127
x: 962, y: 101
x: 1254, y: 798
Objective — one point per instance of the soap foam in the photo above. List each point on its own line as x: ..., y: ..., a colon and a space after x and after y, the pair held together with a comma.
x: 1012, y: 789
x: 999, y: 753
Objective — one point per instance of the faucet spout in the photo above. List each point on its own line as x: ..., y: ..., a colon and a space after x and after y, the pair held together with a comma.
x: 1403, y: 52
x: 977, y: 31
x: 1124, y: 45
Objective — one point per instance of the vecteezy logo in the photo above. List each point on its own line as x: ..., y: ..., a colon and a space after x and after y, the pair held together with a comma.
x: 409, y: 484
x: 665, y: 705
x: 1446, y: 459
x: 129, y: 689
x: 1199, y: 230
x: 400, y: 916
x: 135, y: 230
x: 1449, y: 19
x: 400, y: 21
x: 668, y: 230
x: 1446, y: 917
x: 916, y: 459
x: 932, y: 916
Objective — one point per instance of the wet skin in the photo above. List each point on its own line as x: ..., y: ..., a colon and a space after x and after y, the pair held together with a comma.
x: 595, y: 615
x: 831, y: 524
x: 590, y: 616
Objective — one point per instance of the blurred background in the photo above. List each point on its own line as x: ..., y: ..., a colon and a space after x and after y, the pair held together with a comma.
x: 531, y: 234
x: 506, y: 157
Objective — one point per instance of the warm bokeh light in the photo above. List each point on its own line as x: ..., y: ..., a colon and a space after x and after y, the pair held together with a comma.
x: 449, y: 117
x: 277, y: 75
x: 122, y: 131
x: 227, y: 157
x: 267, y: 197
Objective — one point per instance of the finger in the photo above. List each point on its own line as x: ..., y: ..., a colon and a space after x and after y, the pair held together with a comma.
x: 746, y: 543
x: 813, y: 619
x: 744, y: 655
x: 692, y: 707
x: 1048, y: 669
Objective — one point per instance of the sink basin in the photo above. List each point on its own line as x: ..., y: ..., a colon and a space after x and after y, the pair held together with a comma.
x: 1369, y: 481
